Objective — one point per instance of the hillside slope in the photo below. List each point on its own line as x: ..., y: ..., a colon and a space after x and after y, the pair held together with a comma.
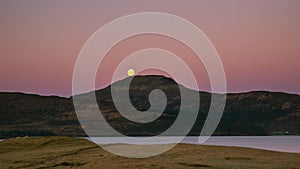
x: 252, y: 113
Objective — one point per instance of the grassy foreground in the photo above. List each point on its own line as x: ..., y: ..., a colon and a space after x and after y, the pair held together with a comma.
x: 66, y: 152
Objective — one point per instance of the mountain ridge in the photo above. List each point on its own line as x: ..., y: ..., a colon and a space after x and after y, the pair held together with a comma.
x: 202, y: 91
x: 250, y: 113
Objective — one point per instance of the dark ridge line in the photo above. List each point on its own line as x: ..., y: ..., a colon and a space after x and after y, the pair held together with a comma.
x: 229, y: 93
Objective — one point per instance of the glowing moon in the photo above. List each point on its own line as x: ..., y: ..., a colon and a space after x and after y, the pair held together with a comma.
x: 130, y: 72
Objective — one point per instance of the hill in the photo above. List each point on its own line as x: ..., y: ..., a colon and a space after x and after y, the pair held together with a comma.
x: 251, y: 113
x: 65, y: 152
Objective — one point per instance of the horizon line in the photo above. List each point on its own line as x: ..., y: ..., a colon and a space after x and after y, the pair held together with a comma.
x: 70, y: 96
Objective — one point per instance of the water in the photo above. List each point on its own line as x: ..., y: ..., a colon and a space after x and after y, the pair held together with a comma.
x: 275, y: 143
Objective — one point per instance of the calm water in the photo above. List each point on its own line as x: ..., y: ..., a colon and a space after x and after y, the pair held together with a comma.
x: 276, y: 143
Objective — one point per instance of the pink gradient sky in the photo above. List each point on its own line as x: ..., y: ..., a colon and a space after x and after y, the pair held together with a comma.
x: 258, y: 41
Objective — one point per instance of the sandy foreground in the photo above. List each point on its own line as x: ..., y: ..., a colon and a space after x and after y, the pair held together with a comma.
x: 66, y: 152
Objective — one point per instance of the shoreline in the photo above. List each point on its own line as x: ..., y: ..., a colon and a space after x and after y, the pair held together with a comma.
x: 289, y: 144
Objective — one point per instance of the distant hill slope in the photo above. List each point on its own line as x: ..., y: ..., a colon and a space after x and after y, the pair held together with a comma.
x: 252, y: 113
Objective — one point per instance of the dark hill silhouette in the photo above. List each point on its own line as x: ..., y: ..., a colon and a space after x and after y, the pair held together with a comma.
x: 251, y: 113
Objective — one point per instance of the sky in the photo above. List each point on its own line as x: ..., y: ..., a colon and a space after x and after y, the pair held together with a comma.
x: 257, y: 41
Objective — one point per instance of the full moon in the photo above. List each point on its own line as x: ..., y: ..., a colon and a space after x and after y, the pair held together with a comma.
x: 130, y: 72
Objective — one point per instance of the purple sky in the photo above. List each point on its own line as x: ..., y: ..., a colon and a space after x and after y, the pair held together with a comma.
x: 258, y: 41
